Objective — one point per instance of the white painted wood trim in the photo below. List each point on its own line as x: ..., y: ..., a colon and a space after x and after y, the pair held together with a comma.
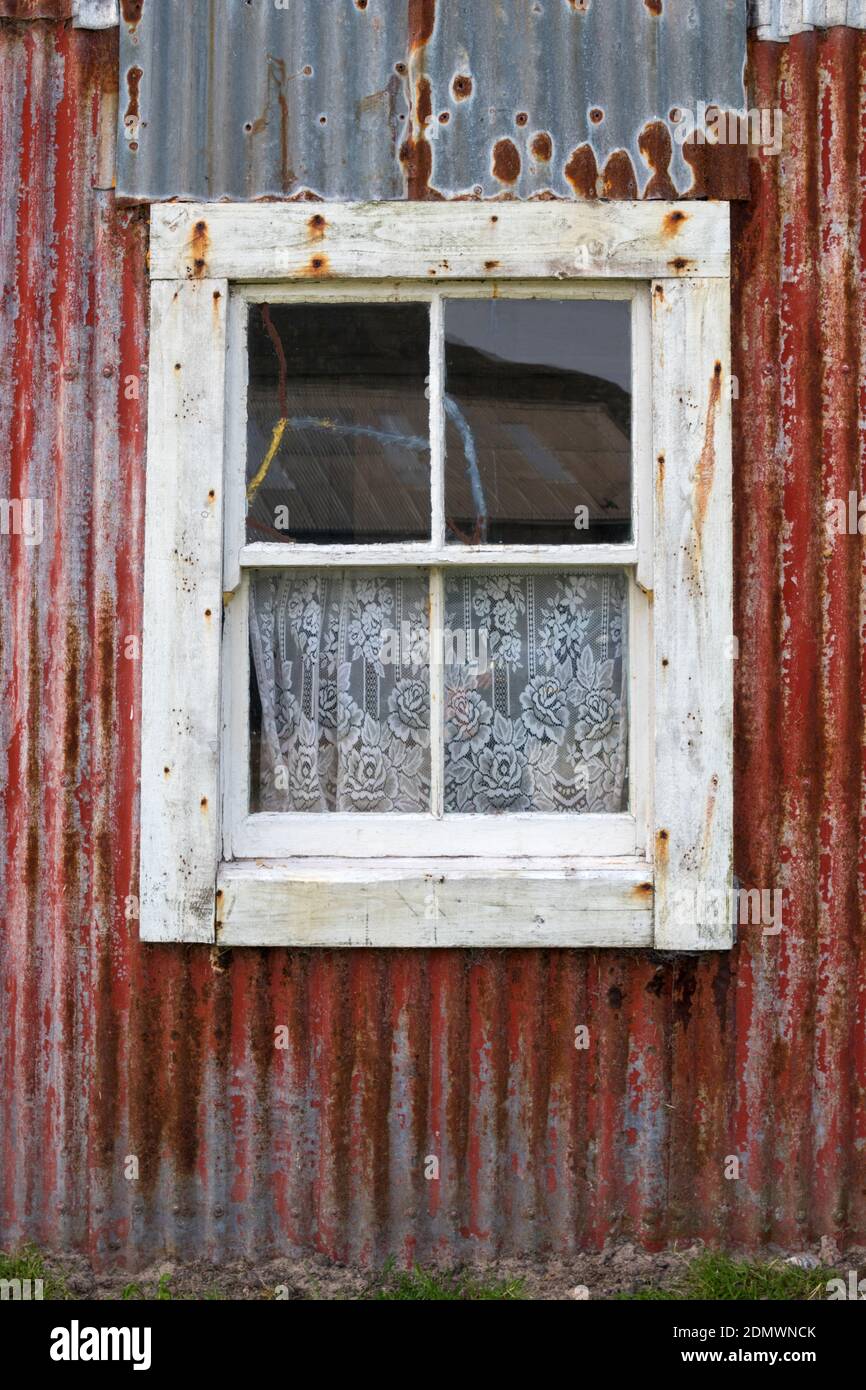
x: 685, y: 581
x: 642, y: 436
x: 277, y: 555
x: 274, y: 836
x: 447, y: 241
x: 405, y: 291
x: 692, y: 610
x: 235, y: 746
x: 422, y: 903
x: 436, y: 387
x: 640, y: 697
x: 182, y: 612
x: 235, y: 407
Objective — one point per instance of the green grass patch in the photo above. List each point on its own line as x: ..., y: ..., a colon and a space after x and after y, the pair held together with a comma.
x: 718, y: 1278
x: 29, y: 1263
x: 434, y: 1286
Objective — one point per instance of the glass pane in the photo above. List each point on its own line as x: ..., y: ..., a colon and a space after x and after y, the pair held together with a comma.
x: 538, y: 421
x: 535, y: 692
x: 338, y: 434
x: 340, y: 692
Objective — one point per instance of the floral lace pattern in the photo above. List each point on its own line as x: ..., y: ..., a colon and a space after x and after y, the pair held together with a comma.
x: 345, y: 722
x: 534, y: 676
x: 537, y: 720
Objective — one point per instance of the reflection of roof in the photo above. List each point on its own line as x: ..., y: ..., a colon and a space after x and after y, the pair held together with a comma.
x: 354, y: 458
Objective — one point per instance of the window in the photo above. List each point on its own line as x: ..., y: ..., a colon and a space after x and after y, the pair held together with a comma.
x: 438, y: 595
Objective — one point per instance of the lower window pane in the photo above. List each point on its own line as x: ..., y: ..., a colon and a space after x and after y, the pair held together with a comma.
x: 535, y: 692
x: 340, y: 714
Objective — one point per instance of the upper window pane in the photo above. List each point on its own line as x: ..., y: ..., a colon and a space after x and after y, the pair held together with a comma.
x: 338, y: 446
x: 538, y: 421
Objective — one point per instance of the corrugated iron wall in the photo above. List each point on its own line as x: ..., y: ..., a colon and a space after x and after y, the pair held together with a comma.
x: 382, y: 99
x: 112, y: 1050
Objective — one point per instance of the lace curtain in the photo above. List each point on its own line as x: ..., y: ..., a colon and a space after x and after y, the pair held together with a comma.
x: 534, y: 674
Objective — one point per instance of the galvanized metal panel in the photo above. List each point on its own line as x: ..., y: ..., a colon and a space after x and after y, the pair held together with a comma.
x: 111, y: 1049
x: 781, y: 19
x: 386, y: 99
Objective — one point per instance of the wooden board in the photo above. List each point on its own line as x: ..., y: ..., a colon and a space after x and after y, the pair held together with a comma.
x: 429, y: 241
x: 420, y: 903
x: 692, y: 612
x: 182, y: 612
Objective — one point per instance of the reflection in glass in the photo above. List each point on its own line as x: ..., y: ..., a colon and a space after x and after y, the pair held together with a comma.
x: 338, y: 423
x: 538, y: 421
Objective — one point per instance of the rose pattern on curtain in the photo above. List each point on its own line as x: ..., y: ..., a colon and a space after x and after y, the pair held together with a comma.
x: 345, y: 716
x: 535, y: 676
x: 537, y: 721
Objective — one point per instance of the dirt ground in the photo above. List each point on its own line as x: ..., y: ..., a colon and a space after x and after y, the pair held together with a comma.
x: 622, y: 1269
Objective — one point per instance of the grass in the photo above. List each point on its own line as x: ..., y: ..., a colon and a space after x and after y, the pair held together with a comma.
x: 718, y: 1278
x: 29, y: 1263
x: 433, y: 1286
x: 712, y: 1277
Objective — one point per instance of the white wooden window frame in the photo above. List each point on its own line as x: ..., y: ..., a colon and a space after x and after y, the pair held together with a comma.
x: 210, y: 871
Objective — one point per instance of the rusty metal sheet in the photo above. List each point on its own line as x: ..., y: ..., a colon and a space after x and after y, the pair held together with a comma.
x: 110, y: 1050
x: 36, y: 9
x: 345, y: 99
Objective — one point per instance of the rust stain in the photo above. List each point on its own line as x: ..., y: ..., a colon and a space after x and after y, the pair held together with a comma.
x: 672, y: 223
x: 132, y: 114
x: 491, y: 265
x: 720, y: 169
x: 654, y: 7
x: 707, y: 461
x: 133, y: 85
x: 132, y: 11
x: 663, y: 851
x: 660, y: 492
x: 276, y: 89
x: 424, y: 103
x: 582, y: 172
x: 317, y: 267
x: 422, y: 21
x: 416, y: 154
x: 317, y: 226
x: 542, y: 147
x: 199, y: 247
x: 506, y: 161
x: 462, y: 86
x: 620, y: 180
x: 680, y: 264
x: 654, y: 143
